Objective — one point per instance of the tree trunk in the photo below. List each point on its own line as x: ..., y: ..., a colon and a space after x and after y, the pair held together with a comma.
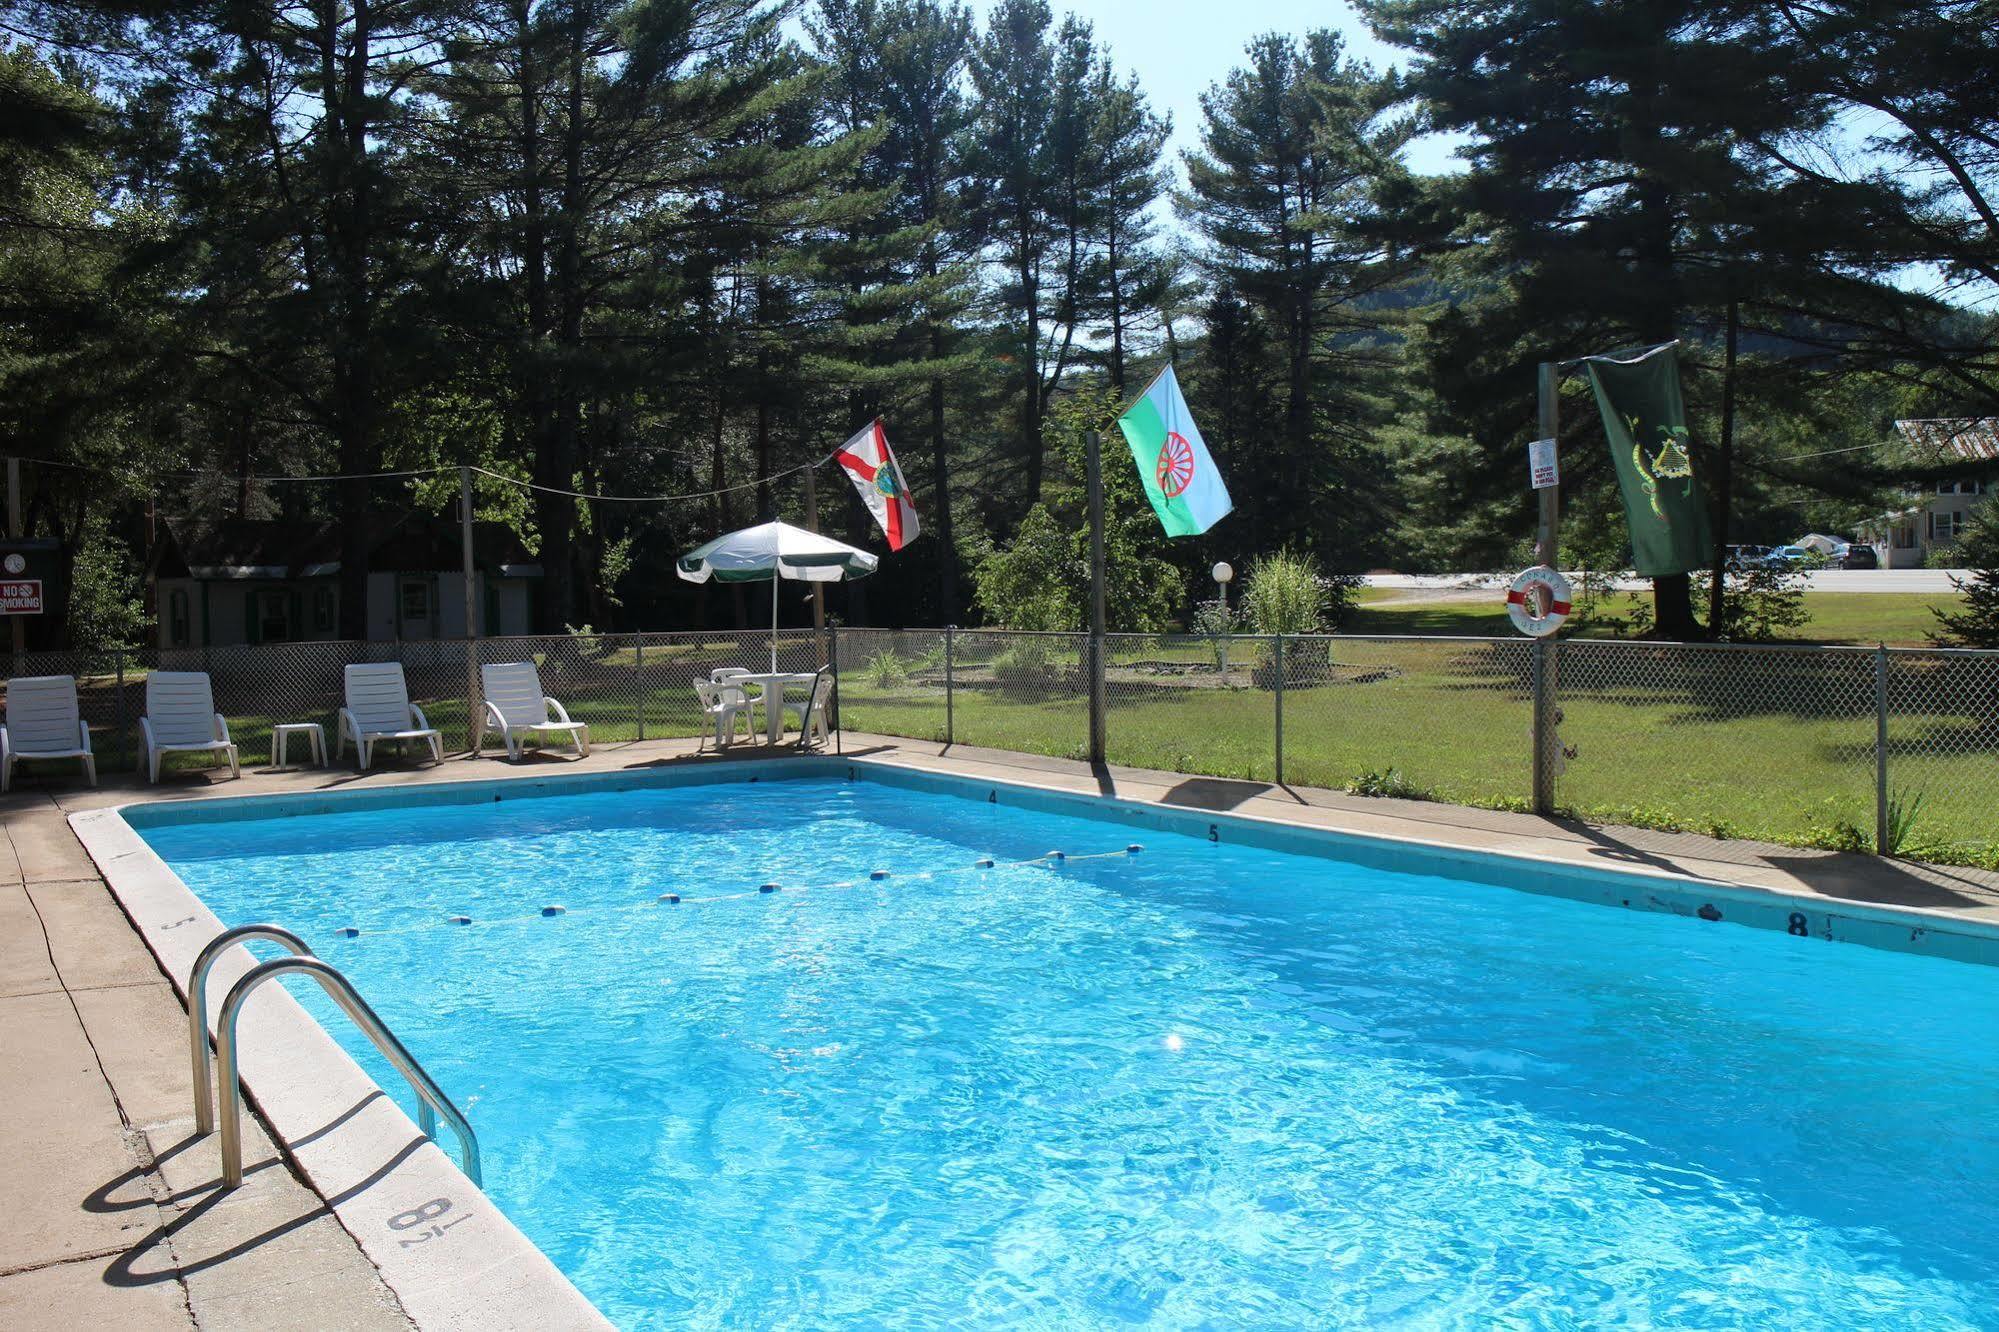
x: 353, y: 359
x: 555, y: 515
x: 1030, y: 368
x: 940, y: 470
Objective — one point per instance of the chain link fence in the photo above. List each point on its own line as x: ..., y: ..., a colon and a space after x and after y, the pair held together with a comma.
x: 1851, y: 747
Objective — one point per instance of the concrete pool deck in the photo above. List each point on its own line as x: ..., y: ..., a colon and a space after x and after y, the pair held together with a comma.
x: 115, y: 1218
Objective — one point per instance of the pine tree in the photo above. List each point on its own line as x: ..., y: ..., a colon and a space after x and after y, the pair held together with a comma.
x: 1976, y: 624
x: 902, y: 266
x: 1615, y: 195
x: 1127, y: 143
x: 1291, y: 149
x: 1014, y: 193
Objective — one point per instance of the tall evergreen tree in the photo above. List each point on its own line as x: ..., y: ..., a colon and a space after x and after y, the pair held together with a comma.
x: 1612, y: 198
x: 1008, y: 157
x: 901, y: 266
x: 1292, y: 145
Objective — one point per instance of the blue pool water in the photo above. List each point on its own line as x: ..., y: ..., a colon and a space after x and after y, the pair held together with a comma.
x: 1196, y: 1086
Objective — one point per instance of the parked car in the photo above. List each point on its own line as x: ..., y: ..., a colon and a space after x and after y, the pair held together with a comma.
x: 1792, y: 557
x: 1860, y: 557
x: 1747, y: 557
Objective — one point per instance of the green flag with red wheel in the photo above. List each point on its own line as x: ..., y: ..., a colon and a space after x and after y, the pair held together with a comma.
x: 1173, y: 463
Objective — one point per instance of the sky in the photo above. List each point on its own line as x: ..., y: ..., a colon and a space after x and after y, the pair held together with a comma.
x: 1180, y: 48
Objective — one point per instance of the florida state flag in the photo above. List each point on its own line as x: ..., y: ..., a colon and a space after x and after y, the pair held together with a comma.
x: 868, y: 460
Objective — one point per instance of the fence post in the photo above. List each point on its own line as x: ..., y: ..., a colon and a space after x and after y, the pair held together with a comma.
x: 1277, y: 662
x: 1543, y: 675
x: 833, y: 699
x: 950, y: 716
x: 1881, y: 847
x: 639, y: 670
x: 118, y: 704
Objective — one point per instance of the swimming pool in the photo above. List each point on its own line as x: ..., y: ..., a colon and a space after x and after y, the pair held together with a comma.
x: 1199, y: 1084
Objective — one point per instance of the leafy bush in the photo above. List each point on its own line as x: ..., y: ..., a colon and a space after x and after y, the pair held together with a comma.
x: 105, y: 610
x: 1026, y: 669
x: 1216, y: 621
x: 1031, y: 582
x: 1759, y: 603
x: 1977, y: 624
x: 1391, y: 784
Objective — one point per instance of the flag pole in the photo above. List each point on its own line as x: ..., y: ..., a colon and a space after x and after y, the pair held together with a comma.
x: 1092, y: 452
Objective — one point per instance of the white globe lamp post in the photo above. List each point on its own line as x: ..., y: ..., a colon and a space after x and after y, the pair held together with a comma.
x: 1223, y: 573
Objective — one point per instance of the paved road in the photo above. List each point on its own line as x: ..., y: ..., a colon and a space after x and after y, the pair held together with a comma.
x: 1821, y: 580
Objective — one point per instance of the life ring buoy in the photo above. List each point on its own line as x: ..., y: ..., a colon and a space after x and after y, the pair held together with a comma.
x: 1521, y: 609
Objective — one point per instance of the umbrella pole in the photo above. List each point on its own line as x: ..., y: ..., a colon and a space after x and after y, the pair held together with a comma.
x: 774, y: 580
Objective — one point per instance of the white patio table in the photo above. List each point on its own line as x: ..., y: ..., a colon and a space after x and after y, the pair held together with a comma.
x: 775, y: 685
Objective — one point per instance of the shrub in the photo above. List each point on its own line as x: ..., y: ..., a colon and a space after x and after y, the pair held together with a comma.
x: 885, y: 669
x: 1216, y: 621
x: 1759, y: 603
x: 1977, y: 624
x: 1026, y: 669
x: 1031, y: 582
x: 1286, y: 594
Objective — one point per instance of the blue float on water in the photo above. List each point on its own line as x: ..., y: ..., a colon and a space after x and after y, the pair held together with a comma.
x: 553, y: 910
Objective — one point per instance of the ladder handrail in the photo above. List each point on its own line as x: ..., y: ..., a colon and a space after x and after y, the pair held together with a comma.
x: 197, y: 1008
x: 431, y: 1100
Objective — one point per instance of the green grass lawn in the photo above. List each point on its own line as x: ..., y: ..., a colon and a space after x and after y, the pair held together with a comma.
x: 1772, y: 745
x: 1899, y: 619
x: 1778, y: 749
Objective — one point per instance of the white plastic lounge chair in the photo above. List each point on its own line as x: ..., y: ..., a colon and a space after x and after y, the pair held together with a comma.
x: 181, y: 719
x: 516, y: 707
x: 43, y: 723
x: 379, y: 708
x: 724, y: 705
x: 810, y: 711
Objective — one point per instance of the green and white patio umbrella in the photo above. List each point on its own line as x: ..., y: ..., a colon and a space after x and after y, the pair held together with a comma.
x: 772, y: 551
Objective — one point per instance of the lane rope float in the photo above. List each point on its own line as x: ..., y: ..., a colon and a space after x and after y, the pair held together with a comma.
x: 1050, y: 859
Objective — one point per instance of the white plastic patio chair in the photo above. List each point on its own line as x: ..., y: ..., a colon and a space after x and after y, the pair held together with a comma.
x: 43, y: 723
x: 753, y: 690
x: 379, y: 708
x: 724, y: 705
x: 810, y: 711
x: 516, y: 708
x: 181, y: 719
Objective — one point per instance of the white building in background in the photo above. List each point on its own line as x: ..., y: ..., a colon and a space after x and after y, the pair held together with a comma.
x: 1937, y: 514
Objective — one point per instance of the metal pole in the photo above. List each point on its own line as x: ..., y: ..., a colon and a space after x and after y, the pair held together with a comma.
x: 1881, y: 847
x: 950, y: 717
x: 1548, y: 549
x: 639, y: 669
x: 1096, y: 650
x: 475, y: 720
x: 1277, y: 661
x: 833, y: 702
x: 118, y: 700
x: 818, y: 589
x: 14, y: 530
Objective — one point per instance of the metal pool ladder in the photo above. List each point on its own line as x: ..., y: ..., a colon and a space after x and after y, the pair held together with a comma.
x: 431, y: 1100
